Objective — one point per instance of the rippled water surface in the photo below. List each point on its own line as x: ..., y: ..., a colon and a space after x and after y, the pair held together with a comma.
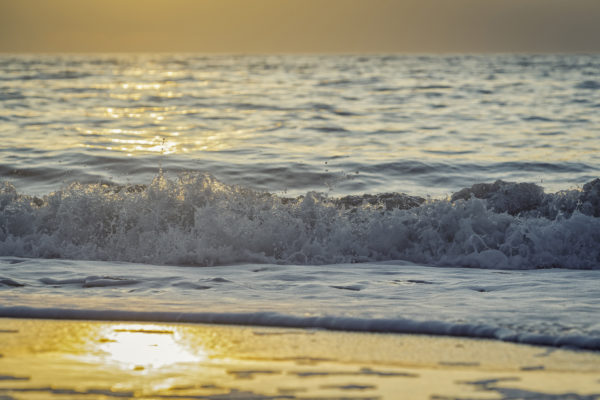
x: 342, y: 124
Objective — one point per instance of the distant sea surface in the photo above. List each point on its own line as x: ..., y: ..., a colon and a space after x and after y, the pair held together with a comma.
x: 425, y: 125
x: 341, y: 191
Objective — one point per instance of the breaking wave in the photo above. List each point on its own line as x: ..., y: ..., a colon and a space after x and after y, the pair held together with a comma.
x: 195, y: 219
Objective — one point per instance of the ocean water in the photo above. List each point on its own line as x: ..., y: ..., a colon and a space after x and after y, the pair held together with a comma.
x: 452, y: 195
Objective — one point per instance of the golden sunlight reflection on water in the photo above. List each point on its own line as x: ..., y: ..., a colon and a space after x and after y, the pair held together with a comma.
x: 421, y: 125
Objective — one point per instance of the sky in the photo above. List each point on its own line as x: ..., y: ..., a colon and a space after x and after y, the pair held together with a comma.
x: 300, y: 26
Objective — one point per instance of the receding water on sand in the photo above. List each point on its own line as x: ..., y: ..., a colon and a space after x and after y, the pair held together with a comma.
x: 553, y: 307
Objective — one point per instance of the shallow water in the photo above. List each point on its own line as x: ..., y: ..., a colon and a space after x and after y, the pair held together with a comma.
x: 553, y: 307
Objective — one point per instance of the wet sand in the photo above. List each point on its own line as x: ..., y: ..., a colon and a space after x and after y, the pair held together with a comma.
x: 61, y: 359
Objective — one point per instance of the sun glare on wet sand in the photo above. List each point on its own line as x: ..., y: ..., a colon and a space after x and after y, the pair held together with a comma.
x: 66, y: 359
x: 142, y: 347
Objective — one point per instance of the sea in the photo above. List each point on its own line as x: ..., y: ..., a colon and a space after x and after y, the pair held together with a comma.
x: 426, y: 194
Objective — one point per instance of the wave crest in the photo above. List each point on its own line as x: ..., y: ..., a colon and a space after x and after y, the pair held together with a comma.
x: 197, y: 220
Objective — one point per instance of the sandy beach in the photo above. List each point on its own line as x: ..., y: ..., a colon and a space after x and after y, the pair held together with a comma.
x: 63, y: 359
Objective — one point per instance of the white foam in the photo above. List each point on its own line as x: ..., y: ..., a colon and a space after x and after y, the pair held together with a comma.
x: 197, y: 220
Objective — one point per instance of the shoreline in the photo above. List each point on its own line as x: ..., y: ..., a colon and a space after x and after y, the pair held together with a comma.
x: 44, y: 358
x: 276, y: 320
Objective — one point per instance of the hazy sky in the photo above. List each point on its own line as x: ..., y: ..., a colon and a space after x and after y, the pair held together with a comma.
x: 308, y: 26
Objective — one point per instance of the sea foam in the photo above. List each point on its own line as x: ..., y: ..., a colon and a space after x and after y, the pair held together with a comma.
x: 195, y: 219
